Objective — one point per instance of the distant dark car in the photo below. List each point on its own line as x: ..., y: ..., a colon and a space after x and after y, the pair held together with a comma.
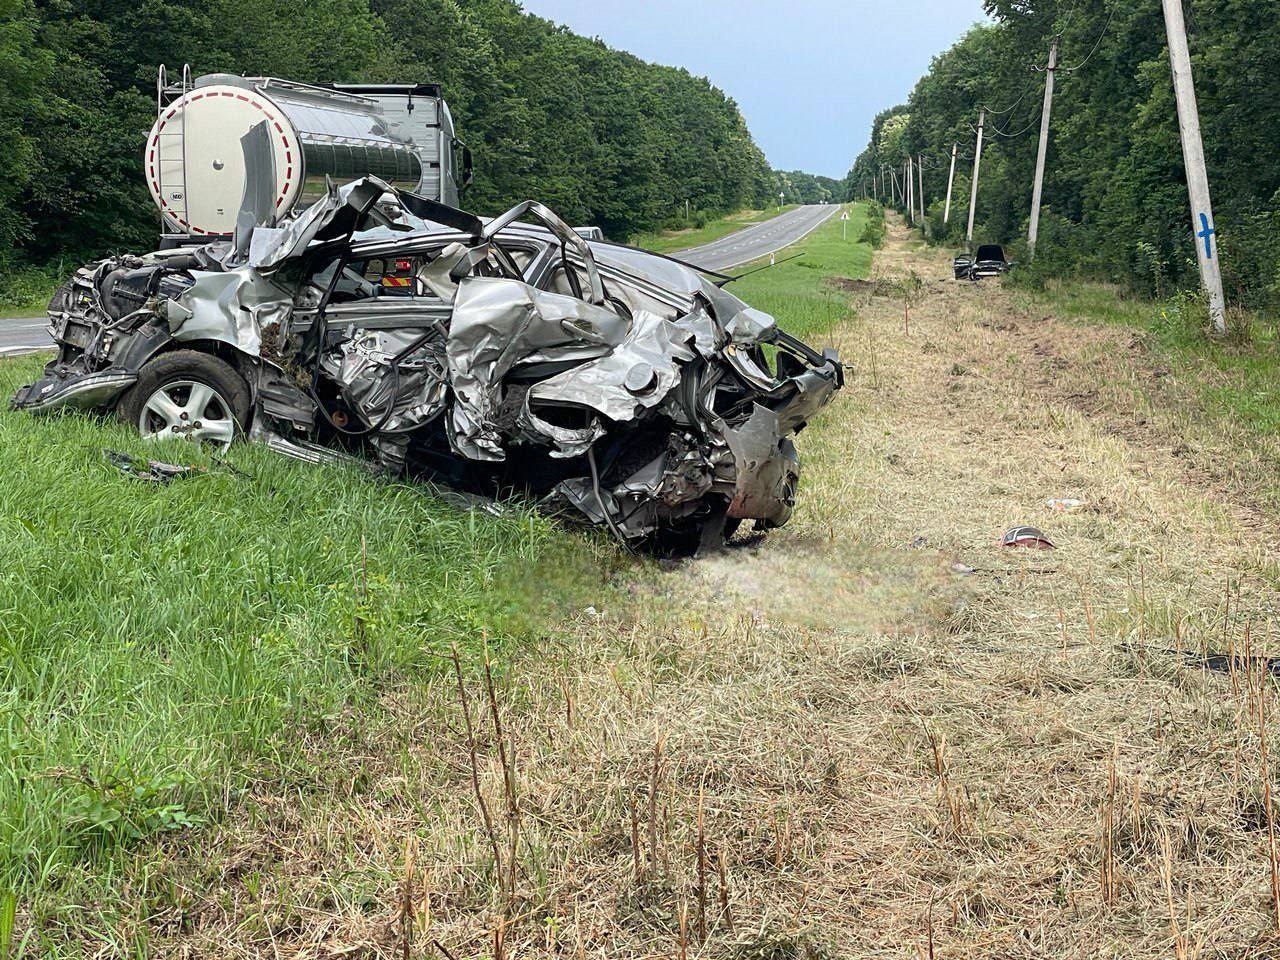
x: 989, y: 261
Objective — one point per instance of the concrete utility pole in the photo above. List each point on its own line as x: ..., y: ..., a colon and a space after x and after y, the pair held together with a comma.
x: 1037, y: 192
x: 911, y: 191
x: 920, y: 183
x: 1202, y: 224
x: 951, y: 179
x: 977, y: 166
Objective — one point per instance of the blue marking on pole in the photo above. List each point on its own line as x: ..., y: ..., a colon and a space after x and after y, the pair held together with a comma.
x: 1206, y: 234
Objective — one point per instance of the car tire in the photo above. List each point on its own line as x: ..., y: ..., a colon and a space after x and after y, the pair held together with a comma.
x: 61, y: 299
x: 177, y: 376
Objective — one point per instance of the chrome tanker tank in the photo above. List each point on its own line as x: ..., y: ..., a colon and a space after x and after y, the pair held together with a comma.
x: 195, y: 167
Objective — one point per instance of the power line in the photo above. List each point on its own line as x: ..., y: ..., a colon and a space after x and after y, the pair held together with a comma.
x: 1011, y: 136
x: 1097, y: 43
x: 1070, y: 19
x: 1010, y: 108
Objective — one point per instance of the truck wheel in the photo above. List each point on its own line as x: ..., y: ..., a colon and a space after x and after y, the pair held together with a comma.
x: 191, y: 395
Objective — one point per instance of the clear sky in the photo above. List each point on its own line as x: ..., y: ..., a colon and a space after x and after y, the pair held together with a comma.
x: 809, y: 75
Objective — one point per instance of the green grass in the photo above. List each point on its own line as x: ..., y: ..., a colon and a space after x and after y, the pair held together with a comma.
x: 24, y: 310
x: 1246, y: 364
x: 668, y: 241
x: 796, y: 292
x: 160, y: 645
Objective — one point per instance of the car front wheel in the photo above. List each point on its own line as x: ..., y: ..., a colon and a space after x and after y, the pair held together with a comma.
x: 188, y: 395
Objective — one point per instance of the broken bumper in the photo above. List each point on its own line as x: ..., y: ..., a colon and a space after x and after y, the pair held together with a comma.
x: 82, y: 392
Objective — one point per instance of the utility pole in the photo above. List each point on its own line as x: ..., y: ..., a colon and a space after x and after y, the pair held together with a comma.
x: 911, y: 191
x: 1202, y: 224
x: 920, y: 182
x: 1033, y: 233
x: 951, y: 179
x: 977, y: 166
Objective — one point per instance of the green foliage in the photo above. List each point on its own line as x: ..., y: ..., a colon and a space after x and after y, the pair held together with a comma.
x: 28, y: 289
x: 118, y: 808
x: 873, y: 233
x: 599, y: 134
x: 796, y: 186
x: 1115, y: 196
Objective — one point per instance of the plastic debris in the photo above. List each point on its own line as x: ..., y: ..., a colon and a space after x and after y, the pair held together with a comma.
x: 1064, y: 504
x: 157, y: 471
x: 150, y: 471
x: 1027, y: 537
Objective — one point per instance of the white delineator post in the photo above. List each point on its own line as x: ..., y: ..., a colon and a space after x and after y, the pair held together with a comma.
x: 951, y: 179
x: 977, y: 166
x: 1202, y: 224
x: 1033, y: 231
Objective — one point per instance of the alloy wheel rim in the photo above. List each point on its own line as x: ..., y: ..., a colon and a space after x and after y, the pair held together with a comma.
x: 190, y: 410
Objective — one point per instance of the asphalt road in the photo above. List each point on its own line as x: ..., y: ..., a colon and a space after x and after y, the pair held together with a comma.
x: 760, y: 239
x: 27, y: 334
x: 23, y: 336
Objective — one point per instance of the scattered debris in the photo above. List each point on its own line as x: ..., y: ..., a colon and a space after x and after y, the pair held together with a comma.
x: 150, y: 471
x: 877, y: 287
x: 1064, y: 504
x: 1027, y: 537
x: 1247, y: 664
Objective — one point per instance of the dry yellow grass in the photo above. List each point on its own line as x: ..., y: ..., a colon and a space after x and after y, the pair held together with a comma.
x: 831, y: 744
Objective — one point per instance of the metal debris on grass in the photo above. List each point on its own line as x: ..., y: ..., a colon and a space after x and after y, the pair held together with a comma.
x: 157, y: 471
x: 150, y: 471
x: 1029, y: 538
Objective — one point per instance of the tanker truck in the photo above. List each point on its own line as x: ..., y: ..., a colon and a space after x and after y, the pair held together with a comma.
x: 195, y: 167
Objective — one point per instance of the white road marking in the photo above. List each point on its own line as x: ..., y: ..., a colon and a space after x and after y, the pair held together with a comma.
x: 747, y: 239
x: 25, y: 348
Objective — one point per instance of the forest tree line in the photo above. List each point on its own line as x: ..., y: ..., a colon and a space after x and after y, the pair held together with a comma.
x: 598, y: 134
x: 1115, y: 199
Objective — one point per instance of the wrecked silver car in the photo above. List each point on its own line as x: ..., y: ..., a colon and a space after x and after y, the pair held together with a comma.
x: 507, y: 355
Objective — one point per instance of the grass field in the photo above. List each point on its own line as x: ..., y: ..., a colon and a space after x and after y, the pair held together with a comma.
x: 164, y: 646
x: 1216, y: 398
x: 874, y: 733
x: 1238, y: 373
x: 180, y: 660
x: 670, y: 240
